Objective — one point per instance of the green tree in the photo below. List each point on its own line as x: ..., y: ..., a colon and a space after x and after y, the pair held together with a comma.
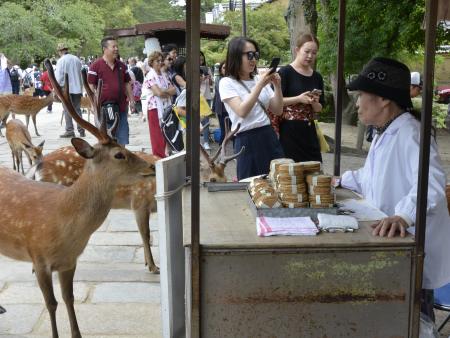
x: 31, y: 31
x: 265, y: 25
x: 24, y: 37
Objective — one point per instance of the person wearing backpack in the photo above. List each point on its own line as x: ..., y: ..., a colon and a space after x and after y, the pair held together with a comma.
x: 15, y: 79
x: 37, y: 83
x: 27, y: 80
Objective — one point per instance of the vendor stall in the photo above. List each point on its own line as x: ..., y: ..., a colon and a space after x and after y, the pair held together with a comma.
x: 327, y: 285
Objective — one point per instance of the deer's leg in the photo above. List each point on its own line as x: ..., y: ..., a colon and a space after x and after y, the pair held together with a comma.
x: 66, y: 281
x: 142, y: 216
x: 14, y: 159
x: 34, y: 122
x: 44, y: 278
x: 21, y: 163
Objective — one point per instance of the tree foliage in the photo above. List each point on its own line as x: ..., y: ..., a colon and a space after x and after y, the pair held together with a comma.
x: 266, y: 25
x: 373, y: 28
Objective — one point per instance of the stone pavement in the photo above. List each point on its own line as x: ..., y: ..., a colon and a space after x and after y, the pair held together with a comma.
x: 115, y: 295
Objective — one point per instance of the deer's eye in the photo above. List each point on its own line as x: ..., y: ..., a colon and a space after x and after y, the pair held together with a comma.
x: 119, y: 156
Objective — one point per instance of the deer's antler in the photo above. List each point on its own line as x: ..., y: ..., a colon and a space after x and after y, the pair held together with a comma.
x: 94, y: 98
x: 223, y: 158
x: 66, y: 101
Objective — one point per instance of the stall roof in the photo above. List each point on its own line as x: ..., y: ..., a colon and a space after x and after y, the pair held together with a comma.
x: 171, y: 31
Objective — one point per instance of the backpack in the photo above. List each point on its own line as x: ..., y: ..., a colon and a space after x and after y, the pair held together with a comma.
x: 37, y: 80
x: 171, y: 131
x: 14, y: 74
x: 28, y: 80
x: 137, y: 89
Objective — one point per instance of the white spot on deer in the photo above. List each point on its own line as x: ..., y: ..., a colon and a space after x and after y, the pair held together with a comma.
x: 60, y: 163
x: 70, y: 168
x: 54, y: 178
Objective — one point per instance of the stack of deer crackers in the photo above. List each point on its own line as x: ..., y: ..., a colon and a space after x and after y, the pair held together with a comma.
x: 321, y: 193
x: 263, y: 194
x: 290, y: 184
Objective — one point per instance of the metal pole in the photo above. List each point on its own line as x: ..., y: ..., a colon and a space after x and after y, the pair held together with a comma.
x: 193, y: 109
x: 244, y: 20
x: 424, y: 157
x: 340, y: 87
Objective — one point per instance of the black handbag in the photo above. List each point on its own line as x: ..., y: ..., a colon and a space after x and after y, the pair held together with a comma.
x: 110, y: 110
x: 171, y: 131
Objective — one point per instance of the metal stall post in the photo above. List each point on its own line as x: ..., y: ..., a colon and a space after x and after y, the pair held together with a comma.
x: 170, y: 175
x: 340, y: 87
x: 193, y: 140
x: 424, y: 157
x: 244, y: 19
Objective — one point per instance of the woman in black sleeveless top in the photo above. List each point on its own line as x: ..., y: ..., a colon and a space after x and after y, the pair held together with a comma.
x: 301, y: 84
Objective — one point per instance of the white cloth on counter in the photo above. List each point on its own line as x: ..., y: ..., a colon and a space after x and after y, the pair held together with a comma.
x: 334, y: 223
x: 287, y: 226
x: 362, y: 209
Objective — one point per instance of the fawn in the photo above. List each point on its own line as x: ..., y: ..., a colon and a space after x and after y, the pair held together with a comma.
x: 22, y: 105
x: 57, y: 222
x: 19, y: 140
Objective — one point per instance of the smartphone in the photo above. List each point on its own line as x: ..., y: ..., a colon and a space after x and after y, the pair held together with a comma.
x: 273, y: 65
x: 316, y: 92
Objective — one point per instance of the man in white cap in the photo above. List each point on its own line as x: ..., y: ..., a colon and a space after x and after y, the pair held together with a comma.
x: 70, y: 64
x: 416, y: 85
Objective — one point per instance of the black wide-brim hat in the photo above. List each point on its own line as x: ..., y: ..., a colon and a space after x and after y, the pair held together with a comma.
x: 387, y: 78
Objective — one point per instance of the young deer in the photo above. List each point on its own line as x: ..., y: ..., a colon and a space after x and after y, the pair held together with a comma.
x: 64, y: 166
x: 19, y: 140
x: 57, y: 222
x: 22, y: 105
x: 217, y: 171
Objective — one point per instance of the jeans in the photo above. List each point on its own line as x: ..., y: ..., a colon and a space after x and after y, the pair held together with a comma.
x: 123, y: 130
x: 76, y: 100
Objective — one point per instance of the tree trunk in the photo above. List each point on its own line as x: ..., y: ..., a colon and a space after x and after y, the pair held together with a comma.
x: 301, y: 17
x: 348, y: 104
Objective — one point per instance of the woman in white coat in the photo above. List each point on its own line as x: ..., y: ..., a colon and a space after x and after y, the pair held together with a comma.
x: 390, y: 175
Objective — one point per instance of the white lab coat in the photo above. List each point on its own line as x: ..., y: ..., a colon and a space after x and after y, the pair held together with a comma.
x: 388, y: 180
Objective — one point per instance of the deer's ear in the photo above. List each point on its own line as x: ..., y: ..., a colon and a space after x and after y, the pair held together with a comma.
x: 83, y: 148
x: 41, y: 144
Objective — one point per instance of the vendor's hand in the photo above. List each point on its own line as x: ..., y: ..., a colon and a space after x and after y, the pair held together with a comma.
x: 315, y: 97
x: 305, y: 98
x: 390, y: 226
x: 336, y: 181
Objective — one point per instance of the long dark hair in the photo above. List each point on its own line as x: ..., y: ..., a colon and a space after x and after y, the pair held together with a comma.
x: 178, y: 67
x: 233, y: 61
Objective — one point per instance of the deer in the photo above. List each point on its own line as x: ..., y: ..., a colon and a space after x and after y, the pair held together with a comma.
x: 22, y: 105
x: 64, y: 166
x: 217, y: 171
x: 19, y: 140
x: 53, y: 229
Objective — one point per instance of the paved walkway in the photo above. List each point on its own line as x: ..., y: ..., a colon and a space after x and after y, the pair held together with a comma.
x: 115, y: 295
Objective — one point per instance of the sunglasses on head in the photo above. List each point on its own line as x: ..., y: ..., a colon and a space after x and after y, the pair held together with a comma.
x: 252, y: 55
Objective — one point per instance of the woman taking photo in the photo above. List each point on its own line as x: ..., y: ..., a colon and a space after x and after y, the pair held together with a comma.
x: 302, y: 89
x: 247, y: 98
x: 158, y: 98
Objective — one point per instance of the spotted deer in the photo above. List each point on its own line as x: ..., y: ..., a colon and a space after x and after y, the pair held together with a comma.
x: 23, y: 105
x: 217, y: 170
x: 19, y: 140
x: 65, y: 165
x: 50, y: 224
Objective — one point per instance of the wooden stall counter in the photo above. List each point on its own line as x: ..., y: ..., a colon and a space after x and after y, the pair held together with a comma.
x: 328, y: 285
